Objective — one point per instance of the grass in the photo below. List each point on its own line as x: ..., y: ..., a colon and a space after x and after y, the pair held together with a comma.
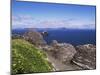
x: 28, y: 59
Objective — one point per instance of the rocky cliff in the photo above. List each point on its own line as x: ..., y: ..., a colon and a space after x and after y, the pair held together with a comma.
x: 85, y: 56
x: 81, y: 55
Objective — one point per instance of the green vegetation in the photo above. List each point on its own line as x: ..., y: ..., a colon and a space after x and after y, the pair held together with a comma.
x: 28, y: 59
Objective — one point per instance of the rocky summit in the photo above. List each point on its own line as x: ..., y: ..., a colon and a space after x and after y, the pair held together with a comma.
x: 85, y: 56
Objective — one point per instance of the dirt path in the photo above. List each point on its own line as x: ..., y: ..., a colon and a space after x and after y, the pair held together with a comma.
x: 59, y: 66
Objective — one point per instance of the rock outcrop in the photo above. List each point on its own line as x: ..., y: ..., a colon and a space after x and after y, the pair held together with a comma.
x: 61, y: 51
x: 44, y: 33
x: 85, y: 56
x: 34, y: 37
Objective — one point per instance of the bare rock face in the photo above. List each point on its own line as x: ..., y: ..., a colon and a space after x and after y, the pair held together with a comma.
x: 34, y: 37
x: 62, y: 51
x: 85, y: 56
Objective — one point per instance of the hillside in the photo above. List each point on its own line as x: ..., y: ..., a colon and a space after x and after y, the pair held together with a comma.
x: 28, y: 59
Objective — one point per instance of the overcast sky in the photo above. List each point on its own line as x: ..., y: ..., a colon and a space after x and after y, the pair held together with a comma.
x: 46, y: 15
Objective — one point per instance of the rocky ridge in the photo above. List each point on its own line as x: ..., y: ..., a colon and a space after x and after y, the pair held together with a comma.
x: 83, y: 56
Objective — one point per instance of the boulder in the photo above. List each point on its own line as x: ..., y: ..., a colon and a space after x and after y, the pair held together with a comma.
x: 62, y: 51
x: 34, y: 37
x: 85, y: 56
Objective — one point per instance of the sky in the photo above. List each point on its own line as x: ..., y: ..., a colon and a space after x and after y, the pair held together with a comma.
x: 52, y: 15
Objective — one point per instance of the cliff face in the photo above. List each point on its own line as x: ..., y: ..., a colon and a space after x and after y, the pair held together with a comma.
x: 85, y: 56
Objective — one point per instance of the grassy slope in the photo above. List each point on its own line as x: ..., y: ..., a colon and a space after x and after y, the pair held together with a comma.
x: 28, y: 59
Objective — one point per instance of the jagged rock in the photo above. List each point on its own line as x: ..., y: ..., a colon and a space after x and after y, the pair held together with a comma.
x: 44, y: 33
x: 34, y: 37
x: 85, y: 56
x: 62, y: 51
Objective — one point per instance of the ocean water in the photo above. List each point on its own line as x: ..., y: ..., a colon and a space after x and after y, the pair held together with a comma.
x: 75, y: 37
x: 72, y: 36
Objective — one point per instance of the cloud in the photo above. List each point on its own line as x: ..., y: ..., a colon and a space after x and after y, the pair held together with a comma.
x: 27, y: 21
x: 22, y: 21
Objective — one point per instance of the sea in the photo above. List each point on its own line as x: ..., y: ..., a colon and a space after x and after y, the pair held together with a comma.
x: 63, y: 35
